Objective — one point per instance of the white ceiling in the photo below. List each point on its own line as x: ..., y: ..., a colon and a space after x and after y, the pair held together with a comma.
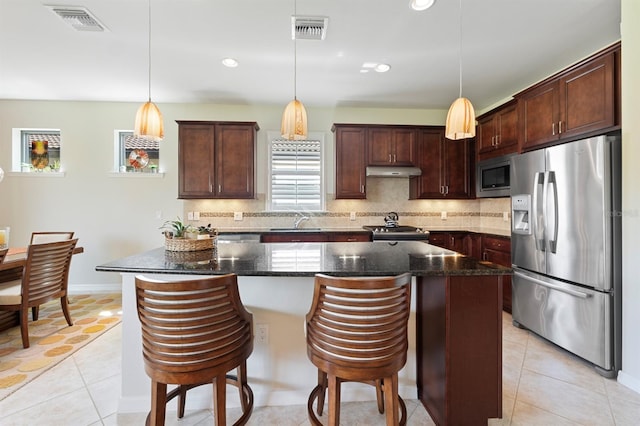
x: 506, y: 45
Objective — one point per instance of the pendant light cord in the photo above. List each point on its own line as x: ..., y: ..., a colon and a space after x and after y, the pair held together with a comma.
x: 295, y: 51
x: 460, y: 51
x: 149, y: 58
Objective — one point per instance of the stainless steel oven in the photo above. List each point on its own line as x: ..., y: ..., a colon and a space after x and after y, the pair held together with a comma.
x: 493, y: 177
x: 398, y: 233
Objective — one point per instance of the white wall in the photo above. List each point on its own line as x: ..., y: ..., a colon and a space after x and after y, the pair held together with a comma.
x: 630, y: 375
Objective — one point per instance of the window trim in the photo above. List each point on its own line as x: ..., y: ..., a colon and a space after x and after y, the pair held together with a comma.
x: 17, y: 148
x: 313, y: 136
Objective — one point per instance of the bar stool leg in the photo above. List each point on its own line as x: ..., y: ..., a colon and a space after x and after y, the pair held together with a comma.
x: 219, y: 400
x: 334, y: 400
x: 390, y: 399
x: 158, y: 404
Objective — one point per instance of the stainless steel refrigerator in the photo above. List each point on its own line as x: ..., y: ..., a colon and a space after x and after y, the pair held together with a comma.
x: 566, y: 247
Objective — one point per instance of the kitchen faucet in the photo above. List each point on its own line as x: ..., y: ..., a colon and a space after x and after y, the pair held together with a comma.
x: 299, y: 220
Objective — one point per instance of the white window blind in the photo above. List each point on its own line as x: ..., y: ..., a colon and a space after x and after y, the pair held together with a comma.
x: 296, y: 175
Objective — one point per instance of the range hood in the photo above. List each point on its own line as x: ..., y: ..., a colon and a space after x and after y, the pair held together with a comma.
x: 393, y: 171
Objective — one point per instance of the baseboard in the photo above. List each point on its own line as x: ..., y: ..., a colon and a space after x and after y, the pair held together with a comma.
x: 94, y: 288
x: 629, y: 381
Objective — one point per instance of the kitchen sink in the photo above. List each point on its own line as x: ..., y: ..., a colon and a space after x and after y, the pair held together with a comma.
x: 296, y: 229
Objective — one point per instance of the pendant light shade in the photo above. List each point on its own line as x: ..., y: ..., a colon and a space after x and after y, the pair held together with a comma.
x: 294, y: 118
x: 149, y: 122
x: 461, y: 120
x: 294, y: 121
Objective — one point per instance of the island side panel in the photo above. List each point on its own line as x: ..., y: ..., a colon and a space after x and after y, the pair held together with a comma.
x: 459, y: 328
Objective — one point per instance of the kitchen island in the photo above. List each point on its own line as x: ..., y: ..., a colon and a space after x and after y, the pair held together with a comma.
x: 455, y: 344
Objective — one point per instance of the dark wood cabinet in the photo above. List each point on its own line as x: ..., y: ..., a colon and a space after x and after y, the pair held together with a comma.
x: 446, y: 166
x: 497, y: 250
x: 491, y: 248
x: 349, y: 237
x: 452, y: 240
x: 391, y: 146
x: 314, y: 237
x: 294, y: 237
x: 350, y: 161
x: 458, y: 340
x: 473, y: 245
x: 497, y: 131
x: 578, y: 101
x: 216, y: 159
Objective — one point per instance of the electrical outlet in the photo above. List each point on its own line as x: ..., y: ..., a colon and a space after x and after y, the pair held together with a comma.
x: 262, y: 333
x: 196, y: 215
x: 237, y: 216
x: 189, y: 215
x: 443, y: 215
x: 505, y: 216
x: 352, y: 216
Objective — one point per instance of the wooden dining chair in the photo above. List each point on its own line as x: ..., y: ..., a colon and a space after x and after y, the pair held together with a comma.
x: 194, y: 332
x: 357, y: 331
x: 45, y: 277
x: 40, y: 237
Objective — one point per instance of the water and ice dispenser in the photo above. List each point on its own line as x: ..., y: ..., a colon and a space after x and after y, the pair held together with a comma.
x: 521, y: 214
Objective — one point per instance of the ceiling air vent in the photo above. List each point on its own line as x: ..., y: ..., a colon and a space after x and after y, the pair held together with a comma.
x: 78, y: 17
x: 309, y: 27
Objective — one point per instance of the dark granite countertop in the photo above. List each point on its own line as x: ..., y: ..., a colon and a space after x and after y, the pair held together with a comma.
x: 378, y: 258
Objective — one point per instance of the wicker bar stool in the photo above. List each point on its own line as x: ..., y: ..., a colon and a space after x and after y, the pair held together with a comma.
x: 357, y: 331
x: 193, y: 333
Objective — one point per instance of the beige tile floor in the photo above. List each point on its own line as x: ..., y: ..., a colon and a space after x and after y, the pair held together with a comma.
x: 542, y: 385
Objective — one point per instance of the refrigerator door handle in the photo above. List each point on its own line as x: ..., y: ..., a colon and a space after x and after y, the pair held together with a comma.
x: 537, y: 220
x: 551, y: 183
x: 575, y: 293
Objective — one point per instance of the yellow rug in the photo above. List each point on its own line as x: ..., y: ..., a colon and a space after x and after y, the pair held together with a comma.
x: 52, y: 339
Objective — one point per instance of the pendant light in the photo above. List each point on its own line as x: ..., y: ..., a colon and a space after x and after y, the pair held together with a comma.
x: 149, y: 123
x: 294, y: 118
x: 461, y: 119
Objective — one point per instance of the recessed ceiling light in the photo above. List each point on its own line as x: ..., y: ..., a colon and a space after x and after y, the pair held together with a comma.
x: 421, y: 4
x: 229, y: 62
x: 374, y: 66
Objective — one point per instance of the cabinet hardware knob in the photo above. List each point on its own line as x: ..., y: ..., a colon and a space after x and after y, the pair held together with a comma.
x: 553, y: 128
x: 559, y: 127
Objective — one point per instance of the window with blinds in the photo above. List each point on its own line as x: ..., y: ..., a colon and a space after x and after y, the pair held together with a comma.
x: 296, y: 175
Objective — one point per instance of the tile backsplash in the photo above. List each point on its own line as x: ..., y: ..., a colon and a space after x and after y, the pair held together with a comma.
x: 383, y: 196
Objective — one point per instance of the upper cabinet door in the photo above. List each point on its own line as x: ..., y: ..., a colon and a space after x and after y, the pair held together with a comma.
x: 235, y: 161
x: 350, y: 162
x: 404, y: 147
x: 539, y: 115
x: 430, y: 151
x: 391, y: 146
x: 379, y: 144
x: 195, y: 160
x: 497, y: 131
x: 587, y: 97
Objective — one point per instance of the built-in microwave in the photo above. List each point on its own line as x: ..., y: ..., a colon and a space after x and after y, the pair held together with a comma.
x: 493, y: 179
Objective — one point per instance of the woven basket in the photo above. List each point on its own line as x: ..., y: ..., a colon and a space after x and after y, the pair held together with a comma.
x: 187, y: 244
